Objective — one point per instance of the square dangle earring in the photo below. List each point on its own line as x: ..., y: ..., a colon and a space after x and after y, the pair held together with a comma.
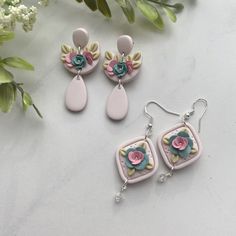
x: 136, y: 160
x: 180, y: 145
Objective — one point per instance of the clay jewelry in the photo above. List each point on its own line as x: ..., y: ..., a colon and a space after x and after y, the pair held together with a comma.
x: 180, y: 145
x: 79, y: 60
x: 120, y: 68
x: 136, y: 160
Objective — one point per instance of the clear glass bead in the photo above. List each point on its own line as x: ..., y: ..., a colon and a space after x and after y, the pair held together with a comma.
x: 162, y: 178
x: 118, y: 197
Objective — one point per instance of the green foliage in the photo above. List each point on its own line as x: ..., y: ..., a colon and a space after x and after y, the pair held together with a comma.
x: 152, y: 10
x: 8, y: 86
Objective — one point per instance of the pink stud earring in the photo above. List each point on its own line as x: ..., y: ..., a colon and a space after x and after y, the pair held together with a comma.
x: 79, y: 60
x: 120, y: 68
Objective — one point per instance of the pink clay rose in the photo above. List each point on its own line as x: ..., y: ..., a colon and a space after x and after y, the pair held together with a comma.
x: 135, y: 157
x: 180, y: 143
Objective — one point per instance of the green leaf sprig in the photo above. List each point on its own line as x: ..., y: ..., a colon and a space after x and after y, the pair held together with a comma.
x: 8, y: 86
x: 151, y: 9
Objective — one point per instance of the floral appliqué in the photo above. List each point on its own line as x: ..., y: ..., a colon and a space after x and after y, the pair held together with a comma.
x: 117, y: 66
x: 73, y: 59
x: 136, y: 159
x: 180, y: 146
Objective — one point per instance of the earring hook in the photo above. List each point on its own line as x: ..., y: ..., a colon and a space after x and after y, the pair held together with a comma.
x: 160, y: 106
x: 204, y: 101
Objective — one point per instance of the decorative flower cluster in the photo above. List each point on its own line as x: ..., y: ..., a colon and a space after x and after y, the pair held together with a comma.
x: 12, y: 12
x: 119, y: 69
x: 116, y: 66
x: 136, y: 159
x: 73, y: 59
x: 78, y: 61
x: 180, y: 145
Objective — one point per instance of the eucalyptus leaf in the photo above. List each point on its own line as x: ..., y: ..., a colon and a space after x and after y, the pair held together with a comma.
x: 79, y: 1
x: 170, y: 13
x: 17, y: 62
x: 92, y: 4
x: 5, y: 76
x: 151, y: 13
x: 127, y: 9
x: 7, y: 97
x: 104, y: 8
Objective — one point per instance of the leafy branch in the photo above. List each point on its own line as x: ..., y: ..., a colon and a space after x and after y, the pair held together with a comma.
x: 8, y: 86
x: 152, y: 10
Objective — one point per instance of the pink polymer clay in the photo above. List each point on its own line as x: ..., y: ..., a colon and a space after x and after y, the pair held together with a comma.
x: 165, y: 147
x: 124, y: 152
x: 117, y: 103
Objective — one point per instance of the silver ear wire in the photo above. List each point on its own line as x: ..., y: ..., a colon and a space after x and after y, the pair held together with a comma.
x: 204, y: 101
x: 149, y: 126
x: 160, y: 106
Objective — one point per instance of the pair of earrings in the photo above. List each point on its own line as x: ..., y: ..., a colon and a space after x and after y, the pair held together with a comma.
x: 179, y: 146
x: 118, y: 67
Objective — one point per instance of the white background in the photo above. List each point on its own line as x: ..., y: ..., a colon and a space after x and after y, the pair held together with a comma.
x: 58, y: 175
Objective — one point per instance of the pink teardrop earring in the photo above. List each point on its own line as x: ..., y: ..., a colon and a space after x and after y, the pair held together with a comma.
x: 120, y: 68
x: 79, y: 60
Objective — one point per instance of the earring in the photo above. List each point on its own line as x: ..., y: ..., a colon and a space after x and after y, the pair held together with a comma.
x: 180, y: 145
x: 136, y: 160
x: 120, y: 68
x: 79, y: 60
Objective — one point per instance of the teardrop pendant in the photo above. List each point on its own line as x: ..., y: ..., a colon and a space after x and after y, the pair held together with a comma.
x: 117, y: 103
x: 76, y: 94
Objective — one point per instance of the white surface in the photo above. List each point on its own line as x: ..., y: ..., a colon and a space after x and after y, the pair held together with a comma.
x: 58, y: 175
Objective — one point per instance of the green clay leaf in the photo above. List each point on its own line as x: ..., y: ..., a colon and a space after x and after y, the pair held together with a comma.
x: 127, y: 9
x: 92, y: 4
x: 173, y: 150
x: 185, y: 153
x: 166, y: 141
x: 130, y: 171
x: 190, y: 142
x: 122, y: 152
x: 104, y: 8
x: 170, y: 13
x: 17, y: 62
x: 174, y: 159
x: 149, y: 166
x: 7, y: 97
x: 183, y: 134
x: 141, y: 149
x: 5, y: 76
x: 193, y: 151
x: 151, y: 13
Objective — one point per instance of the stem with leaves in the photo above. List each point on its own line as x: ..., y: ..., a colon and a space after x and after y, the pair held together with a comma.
x: 8, y: 86
x: 150, y: 9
